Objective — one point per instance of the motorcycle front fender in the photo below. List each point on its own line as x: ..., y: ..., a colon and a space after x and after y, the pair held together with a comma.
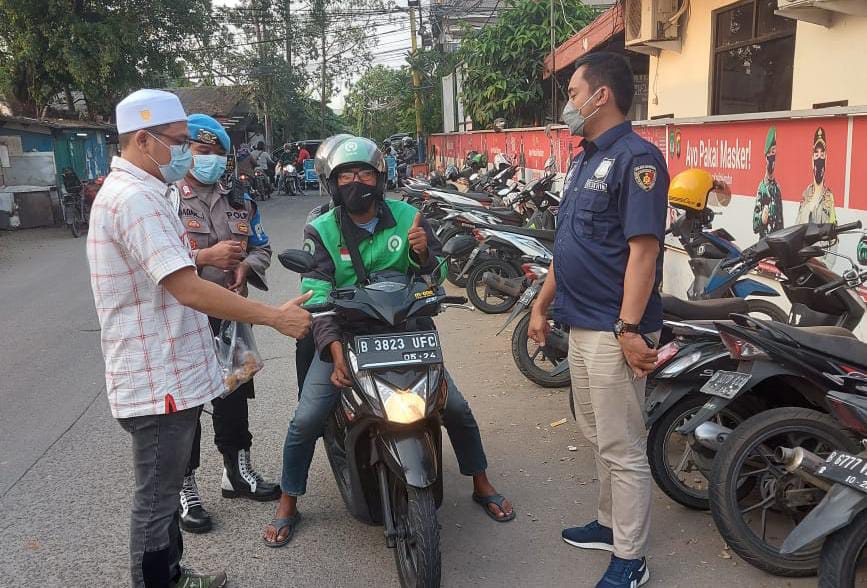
x: 840, y: 505
x: 705, y: 413
x: 413, y: 456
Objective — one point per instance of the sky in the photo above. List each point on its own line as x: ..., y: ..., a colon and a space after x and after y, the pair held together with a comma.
x: 392, y: 42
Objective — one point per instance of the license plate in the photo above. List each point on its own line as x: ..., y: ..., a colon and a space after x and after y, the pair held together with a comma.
x: 528, y: 295
x: 397, y: 349
x: 843, y: 468
x: 726, y: 384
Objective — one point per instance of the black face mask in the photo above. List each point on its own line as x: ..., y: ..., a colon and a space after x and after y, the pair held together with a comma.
x: 772, y: 162
x: 819, y: 170
x: 357, y: 196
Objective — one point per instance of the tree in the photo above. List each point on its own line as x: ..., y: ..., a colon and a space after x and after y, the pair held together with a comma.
x: 503, y: 61
x: 382, y: 102
x: 102, y: 48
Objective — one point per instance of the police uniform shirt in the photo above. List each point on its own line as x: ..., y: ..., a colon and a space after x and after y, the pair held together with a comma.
x: 616, y: 189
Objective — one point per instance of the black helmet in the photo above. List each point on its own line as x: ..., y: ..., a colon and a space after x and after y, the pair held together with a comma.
x: 452, y: 173
x: 341, y: 151
x: 436, y: 179
x: 407, y: 141
x: 386, y: 143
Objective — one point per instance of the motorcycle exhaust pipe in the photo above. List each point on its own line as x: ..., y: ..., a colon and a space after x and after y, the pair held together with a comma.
x: 510, y: 286
x: 711, y: 435
x: 803, y: 464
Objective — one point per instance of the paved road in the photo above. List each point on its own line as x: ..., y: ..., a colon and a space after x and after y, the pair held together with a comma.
x: 65, y: 477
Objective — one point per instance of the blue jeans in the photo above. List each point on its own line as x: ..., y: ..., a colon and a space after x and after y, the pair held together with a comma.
x: 316, y: 403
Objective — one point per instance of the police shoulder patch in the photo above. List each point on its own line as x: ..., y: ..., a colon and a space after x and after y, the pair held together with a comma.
x: 645, y: 176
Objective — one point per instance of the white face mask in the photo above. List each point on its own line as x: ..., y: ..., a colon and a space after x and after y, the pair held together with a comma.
x: 574, y: 119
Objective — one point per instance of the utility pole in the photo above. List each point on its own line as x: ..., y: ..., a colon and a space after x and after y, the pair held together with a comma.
x: 288, y: 24
x: 553, y: 67
x: 416, y: 78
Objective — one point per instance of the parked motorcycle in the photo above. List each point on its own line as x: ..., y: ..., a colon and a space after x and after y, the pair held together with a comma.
x: 383, y: 439
x: 839, y: 522
x: 749, y: 495
x: 77, y: 200
x: 680, y: 453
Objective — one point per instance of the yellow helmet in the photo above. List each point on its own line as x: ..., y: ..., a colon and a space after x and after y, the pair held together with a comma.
x: 690, y: 188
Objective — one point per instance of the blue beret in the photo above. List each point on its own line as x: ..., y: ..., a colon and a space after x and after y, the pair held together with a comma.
x: 205, y: 129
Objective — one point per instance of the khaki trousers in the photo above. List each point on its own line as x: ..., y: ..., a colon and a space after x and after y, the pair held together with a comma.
x: 609, y: 407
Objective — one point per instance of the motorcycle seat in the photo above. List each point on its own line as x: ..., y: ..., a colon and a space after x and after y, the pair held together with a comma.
x: 545, y: 235
x: 837, y: 341
x: 703, y: 310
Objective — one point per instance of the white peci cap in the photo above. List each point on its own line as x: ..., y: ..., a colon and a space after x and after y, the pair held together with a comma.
x: 148, y: 108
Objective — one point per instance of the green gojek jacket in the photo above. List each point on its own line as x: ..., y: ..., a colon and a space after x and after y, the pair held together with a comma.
x: 328, y: 239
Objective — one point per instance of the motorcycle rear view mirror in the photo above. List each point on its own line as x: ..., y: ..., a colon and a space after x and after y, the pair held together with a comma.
x: 459, y: 245
x: 550, y: 164
x: 297, y: 261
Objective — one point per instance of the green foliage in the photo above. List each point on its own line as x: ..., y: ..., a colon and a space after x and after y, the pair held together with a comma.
x: 103, y: 48
x: 382, y: 102
x: 503, y: 61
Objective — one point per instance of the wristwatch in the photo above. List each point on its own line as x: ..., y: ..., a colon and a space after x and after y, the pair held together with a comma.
x: 621, y: 327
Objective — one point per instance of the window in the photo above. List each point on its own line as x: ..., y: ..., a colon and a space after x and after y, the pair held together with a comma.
x: 754, y: 51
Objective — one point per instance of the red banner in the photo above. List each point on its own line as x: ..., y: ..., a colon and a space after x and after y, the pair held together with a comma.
x: 858, y: 185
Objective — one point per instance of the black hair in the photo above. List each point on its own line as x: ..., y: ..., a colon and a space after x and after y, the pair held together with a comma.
x: 604, y: 68
x: 260, y: 146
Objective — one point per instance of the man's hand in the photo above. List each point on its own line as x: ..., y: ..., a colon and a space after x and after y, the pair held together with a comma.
x: 340, y: 377
x: 640, y: 357
x: 225, y: 255
x: 418, y: 239
x: 291, y: 319
x: 239, y: 280
x: 538, y: 329
x: 766, y: 214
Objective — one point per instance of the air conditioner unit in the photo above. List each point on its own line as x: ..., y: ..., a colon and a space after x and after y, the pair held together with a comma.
x: 650, y: 21
x: 820, y: 12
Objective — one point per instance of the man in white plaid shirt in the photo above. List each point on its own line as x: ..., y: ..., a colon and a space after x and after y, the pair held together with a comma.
x: 160, y: 363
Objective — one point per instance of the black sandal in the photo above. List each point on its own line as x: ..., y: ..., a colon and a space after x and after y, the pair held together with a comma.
x: 279, y: 525
x: 497, y: 500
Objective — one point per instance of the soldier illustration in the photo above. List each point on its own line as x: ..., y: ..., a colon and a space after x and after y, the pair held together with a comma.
x: 768, y: 211
x: 817, y: 205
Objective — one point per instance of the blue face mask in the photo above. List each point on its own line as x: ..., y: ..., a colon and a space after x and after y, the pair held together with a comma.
x: 208, y: 169
x: 179, y: 164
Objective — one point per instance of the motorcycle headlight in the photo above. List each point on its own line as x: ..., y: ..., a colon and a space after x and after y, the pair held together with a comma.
x: 403, y: 406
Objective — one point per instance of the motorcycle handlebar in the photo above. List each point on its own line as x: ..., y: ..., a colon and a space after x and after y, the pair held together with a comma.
x: 321, y: 307
x: 453, y: 300
x: 844, y: 228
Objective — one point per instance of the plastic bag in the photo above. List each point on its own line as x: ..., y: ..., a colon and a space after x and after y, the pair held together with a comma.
x: 237, y: 355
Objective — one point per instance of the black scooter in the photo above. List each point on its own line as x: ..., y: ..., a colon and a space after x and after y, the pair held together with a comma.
x: 383, y: 439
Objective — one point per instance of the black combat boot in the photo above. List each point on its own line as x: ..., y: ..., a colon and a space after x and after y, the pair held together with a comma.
x: 194, y: 517
x: 240, y: 480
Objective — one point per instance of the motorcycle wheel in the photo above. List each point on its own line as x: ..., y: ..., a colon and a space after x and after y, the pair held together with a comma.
x: 769, y: 309
x: 675, y: 462
x: 843, y: 554
x: 484, y: 297
x: 336, y: 452
x: 454, y: 264
x: 748, y: 452
x: 74, y: 212
x: 527, y: 353
x: 417, y: 553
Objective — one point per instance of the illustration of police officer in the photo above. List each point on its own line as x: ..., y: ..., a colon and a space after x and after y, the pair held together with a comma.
x: 817, y: 204
x: 768, y: 211
x: 230, y: 249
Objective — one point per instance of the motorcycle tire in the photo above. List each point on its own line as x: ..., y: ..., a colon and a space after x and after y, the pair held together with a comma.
x: 77, y: 223
x: 660, y: 438
x: 475, y: 281
x: 525, y: 363
x: 455, y: 264
x: 841, y: 554
x: 769, y: 309
x: 417, y: 553
x: 792, y: 426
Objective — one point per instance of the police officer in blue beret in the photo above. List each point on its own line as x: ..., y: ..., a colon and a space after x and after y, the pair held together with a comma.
x: 231, y: 249
x: 604, y: 282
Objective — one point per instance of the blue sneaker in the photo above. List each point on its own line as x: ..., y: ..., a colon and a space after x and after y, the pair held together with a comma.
x: 590, y: 536
x: 625, y: 573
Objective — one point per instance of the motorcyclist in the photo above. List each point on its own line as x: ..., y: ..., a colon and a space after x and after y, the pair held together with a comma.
x: 388, y: 235
x: 387, y: 149
x: 409, y: 154
x: 231, y: 249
